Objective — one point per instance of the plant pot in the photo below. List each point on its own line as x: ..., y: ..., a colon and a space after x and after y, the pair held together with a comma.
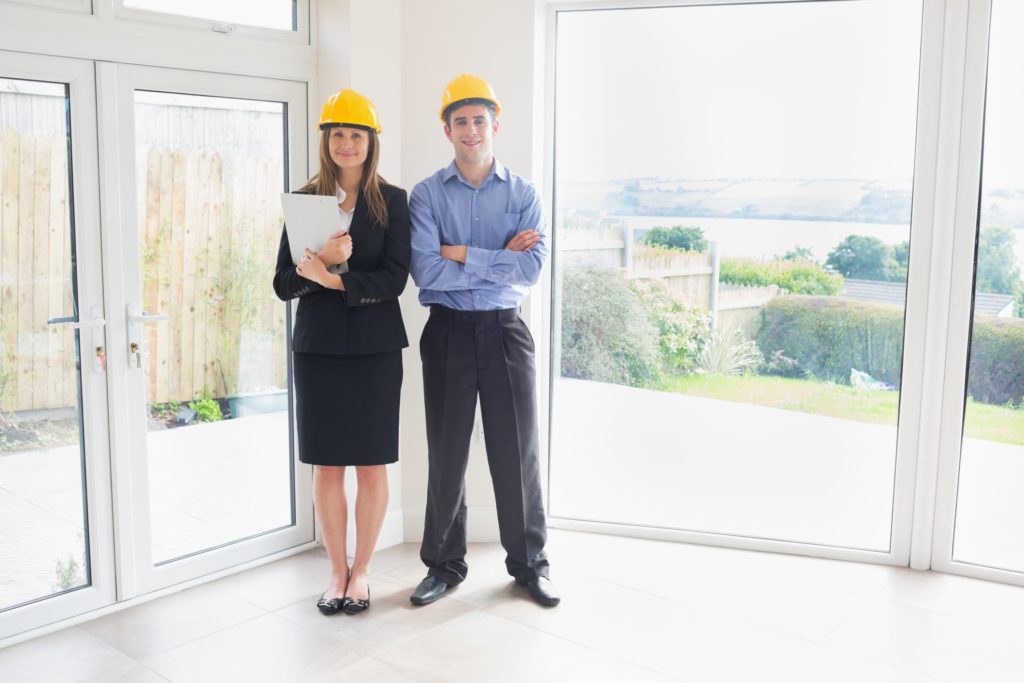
x: 244, y: 405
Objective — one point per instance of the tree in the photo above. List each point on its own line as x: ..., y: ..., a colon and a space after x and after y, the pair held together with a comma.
x: 797, y: 253
x: 677, y: 237
x: 862, y: 257
x: 898, y: 262
x: 997, y: 261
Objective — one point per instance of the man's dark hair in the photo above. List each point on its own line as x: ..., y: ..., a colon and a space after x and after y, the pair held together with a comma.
x: 469, y: 100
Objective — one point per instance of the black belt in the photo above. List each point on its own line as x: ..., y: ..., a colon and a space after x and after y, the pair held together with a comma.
x: 500, y: 315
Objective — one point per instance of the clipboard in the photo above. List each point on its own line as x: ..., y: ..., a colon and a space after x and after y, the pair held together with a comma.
x: 310, y: 219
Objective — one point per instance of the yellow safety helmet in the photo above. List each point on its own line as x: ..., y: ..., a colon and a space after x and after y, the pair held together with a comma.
x: 349, y: 108
x: 468, y: 87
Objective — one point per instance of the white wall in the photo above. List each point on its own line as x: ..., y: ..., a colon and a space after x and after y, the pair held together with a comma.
x: 401, y: 53
x: 441, y: 39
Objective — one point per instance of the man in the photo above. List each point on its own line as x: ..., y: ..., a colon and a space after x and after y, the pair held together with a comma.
x: 478, y: 244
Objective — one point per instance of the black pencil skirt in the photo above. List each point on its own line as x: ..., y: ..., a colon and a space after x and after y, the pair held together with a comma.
x: 347, y: 408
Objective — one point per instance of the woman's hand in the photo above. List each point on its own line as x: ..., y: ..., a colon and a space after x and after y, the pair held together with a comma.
x: 337, y: 250
x: 312, y: 268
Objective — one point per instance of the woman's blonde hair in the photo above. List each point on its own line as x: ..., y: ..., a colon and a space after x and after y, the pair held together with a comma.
x: 328, y: 178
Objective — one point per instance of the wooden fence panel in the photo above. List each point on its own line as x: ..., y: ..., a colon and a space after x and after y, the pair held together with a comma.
x: 210, y: 227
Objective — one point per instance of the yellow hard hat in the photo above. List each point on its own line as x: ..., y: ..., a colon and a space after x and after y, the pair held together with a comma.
x: 349, y: 108
x: 468, y: 87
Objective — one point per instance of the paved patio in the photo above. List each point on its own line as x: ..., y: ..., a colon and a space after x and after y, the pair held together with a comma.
x: 211, y: 484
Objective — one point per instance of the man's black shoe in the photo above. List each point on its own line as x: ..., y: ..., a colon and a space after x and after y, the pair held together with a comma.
x: 542, y: 591
x: 429, y: 590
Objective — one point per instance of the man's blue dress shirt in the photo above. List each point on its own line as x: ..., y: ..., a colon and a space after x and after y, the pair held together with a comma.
x: 446, y: 209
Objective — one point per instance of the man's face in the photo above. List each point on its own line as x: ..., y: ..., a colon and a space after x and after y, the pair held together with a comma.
x: 471, y: 131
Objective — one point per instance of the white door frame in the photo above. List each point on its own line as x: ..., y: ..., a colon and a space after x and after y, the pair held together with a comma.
x: 79, y: 75
x: 116, y: 86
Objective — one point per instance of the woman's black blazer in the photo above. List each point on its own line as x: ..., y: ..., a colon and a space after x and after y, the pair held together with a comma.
x: 365, y: 318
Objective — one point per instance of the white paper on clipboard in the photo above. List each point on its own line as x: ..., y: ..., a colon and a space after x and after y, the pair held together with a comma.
x: 310, y: 219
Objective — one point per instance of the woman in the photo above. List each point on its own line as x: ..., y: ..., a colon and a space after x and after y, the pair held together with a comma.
x: 347, y: 341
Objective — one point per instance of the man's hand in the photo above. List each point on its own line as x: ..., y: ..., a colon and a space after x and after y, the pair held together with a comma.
x: 524, y: 241
x: 454, y: 253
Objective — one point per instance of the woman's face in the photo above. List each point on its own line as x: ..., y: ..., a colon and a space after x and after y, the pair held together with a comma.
x: 348, y: 147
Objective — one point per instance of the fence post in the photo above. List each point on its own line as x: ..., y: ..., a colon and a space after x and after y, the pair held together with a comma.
x: 713, y: 295
x: 627, y: 247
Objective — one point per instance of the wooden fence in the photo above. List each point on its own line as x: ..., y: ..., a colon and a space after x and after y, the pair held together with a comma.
x: 36, y: 359
x: 210, y: 227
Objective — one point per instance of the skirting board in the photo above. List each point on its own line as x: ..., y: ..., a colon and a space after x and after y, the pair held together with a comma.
x: 481, y: 523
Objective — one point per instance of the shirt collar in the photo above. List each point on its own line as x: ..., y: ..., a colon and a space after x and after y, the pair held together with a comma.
x: 341, y: 195
x: 497, y: 171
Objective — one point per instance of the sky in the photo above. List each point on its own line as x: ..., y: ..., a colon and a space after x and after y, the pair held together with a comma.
x: 1004, y: 106
x: 793, y: 90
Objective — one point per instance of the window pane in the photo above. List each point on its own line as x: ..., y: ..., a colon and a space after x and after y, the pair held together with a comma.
x: 990, y: 497
x: 278, y: 14
x: 732, y: 231
x: 43, y: 529
x: 210, y: 174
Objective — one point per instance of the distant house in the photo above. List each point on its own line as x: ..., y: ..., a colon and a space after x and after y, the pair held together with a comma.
x: 1000, y: 305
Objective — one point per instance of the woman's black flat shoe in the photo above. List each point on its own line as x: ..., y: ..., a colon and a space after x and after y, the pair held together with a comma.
x: 355, y: 605
x: 331, y: 606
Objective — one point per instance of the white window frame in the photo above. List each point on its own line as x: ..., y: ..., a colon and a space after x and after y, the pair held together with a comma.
x: 298, y: 35
x: 962, y: 264
x: 129, y: 36
x: 79, y: 6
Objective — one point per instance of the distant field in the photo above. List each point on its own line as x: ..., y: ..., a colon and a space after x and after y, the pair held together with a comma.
x: 991, y: 423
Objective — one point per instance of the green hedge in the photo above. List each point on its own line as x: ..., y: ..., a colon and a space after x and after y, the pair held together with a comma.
x: 825, y: 337
x: 997, y: 360
x: 794, y: 276
x: 828, y: 336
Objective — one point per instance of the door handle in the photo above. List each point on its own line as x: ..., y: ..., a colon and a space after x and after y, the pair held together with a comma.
x: 97, y: 325
x: 136, y: 319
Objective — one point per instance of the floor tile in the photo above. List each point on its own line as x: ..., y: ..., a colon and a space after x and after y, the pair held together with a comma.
x: 173, y: 620
x: 69, y: 655
x: 483, y: 647
x: 268, y: 648
x: 390, y: 620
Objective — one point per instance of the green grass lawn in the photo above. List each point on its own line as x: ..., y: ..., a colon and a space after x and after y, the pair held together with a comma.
x: 992, y: 423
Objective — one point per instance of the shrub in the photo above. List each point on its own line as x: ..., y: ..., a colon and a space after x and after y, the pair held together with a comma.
x: 794, y: 276
x: 680, y: 329
x: 997, y: 360
x: 677, y: 237
x: 827, y: 336
x: 207, y: 409
x: 607, y: 335
x: 728, y: 353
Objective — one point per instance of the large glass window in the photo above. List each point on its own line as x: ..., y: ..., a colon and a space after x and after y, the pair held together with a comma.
x: 43, y: 526
x: 733, y: 195
x: 990, y: 494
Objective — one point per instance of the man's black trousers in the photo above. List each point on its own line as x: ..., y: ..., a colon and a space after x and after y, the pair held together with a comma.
x: 490, y: 353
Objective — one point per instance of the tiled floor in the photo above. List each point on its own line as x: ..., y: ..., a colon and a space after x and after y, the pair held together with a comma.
x: 633, y: 611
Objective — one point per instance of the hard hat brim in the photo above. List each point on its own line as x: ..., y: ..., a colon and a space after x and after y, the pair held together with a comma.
x: 370, y: 129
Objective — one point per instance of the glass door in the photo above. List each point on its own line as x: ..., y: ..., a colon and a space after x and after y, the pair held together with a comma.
x: 211, y: 465
x: 56, y: 549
